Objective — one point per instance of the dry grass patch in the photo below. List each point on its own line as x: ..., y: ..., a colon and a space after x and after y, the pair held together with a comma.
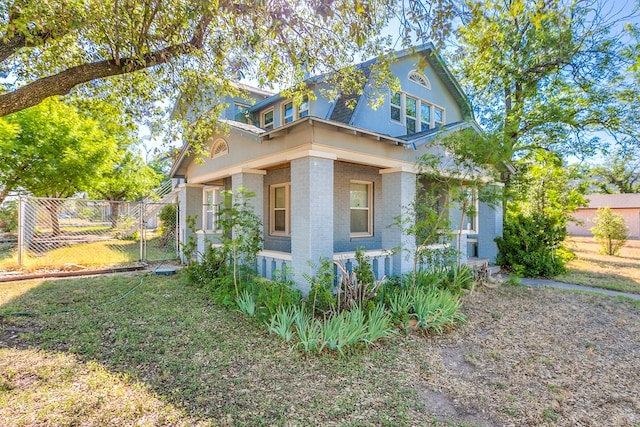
x: 166, y: 356
x: 590, y: 268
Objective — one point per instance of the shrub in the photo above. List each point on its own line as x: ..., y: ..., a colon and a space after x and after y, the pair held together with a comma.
x: 610, y: 231
x: 9, y: 217
x: 321, y: 295
x: 168, y: 220
x: 530, y: 245
x: 272, y: 294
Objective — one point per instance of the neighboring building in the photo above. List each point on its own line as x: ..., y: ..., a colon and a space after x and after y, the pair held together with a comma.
x: 328, y: 178
x: 627, y: 205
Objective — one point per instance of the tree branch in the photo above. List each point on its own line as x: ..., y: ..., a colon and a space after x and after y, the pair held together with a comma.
x: 62, y: 83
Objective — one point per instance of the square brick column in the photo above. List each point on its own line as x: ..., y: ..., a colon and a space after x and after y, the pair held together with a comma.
x: 189, y: 205
x: 252, y: 180
x: 311, y: 215
x: 398, y: 192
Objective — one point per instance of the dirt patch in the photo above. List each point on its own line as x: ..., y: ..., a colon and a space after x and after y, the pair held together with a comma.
x: 535, y: 357
x: 13, y: 336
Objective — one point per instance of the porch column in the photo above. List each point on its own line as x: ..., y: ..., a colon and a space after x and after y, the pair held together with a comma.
x: 252, y: 181
x: 398, y: 192
x: 490, y: 227
x: 311, y: 214
x: 190, y: 205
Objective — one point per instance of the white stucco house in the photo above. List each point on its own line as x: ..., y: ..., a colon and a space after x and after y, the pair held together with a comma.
x: 328, y: 178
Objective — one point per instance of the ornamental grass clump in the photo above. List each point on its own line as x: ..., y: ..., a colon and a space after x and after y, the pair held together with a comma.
x: 436, y: 310
x: 282, y: 322
x: 247, y: 303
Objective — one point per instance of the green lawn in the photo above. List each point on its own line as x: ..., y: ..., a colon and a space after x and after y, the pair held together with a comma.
x: 165, y: 355
x: 95, y: 254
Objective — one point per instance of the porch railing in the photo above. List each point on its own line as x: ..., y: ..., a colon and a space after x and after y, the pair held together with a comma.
x: 380, y: 260
x: 272, y: 263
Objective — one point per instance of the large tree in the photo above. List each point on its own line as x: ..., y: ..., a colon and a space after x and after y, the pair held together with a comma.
x: 618, y: 173
x: 545, y: 75
x: 165, y: 47
x: 55, y: 152
x: 130, y: 178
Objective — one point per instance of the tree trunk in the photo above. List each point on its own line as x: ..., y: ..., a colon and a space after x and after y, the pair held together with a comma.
x: 115, y: 212
x: 52, y: 207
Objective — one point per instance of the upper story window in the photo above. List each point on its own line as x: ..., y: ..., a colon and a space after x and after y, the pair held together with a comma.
x: 396, y: 107
x: 411, y: 114
x: 287, y: 112
x: 439, y: 116
x: 291, y: 112
x: 419, y: 78
x: 303, y: 108
x: 266, y: 119
x: 219, y: 148
x: 416, y: 114
x: 239, y: 112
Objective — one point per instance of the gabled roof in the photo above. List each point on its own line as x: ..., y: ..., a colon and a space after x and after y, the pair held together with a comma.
x: 187, y: 150
x: 343, y: 113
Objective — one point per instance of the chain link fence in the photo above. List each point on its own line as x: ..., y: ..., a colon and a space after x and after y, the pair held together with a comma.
x: 74, y: 234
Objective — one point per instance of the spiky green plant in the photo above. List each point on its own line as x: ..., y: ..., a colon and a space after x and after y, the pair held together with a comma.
x: 282, y: 322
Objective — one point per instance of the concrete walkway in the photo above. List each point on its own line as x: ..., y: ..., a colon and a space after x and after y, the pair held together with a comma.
x: 554, y: 284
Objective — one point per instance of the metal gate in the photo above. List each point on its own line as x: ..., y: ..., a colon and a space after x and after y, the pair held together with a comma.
x: 70, y: 234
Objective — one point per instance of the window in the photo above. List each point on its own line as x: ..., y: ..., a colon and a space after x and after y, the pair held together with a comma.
x: 439, y: 116
x: 411, y: 112
x: 239, y: 112
x: 416, y: 114
x: 360, y: 195
x: 303, y: 108
x: 210, y: 209
x: 219, y: 148
x: 425, y: 117
x: 471, y: 211
x: 280, y: 209
x: 420, y: 79
x: 267, y: 119
x: 287, y: 112
x: 396, y: 107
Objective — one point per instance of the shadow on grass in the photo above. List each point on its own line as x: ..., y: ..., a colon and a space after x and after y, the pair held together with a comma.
x: 215, y: 365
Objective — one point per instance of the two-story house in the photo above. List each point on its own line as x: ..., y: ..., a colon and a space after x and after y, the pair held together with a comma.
x: 329, y: 178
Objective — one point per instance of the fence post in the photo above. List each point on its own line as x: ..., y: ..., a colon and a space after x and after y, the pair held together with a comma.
x: 142, y: 237
x: 20, y: 229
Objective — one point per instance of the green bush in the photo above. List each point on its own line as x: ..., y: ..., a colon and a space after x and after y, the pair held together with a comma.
x: 168, y: 219
x: 610, y: 231
x: 531, y: 245
x: 9, y: 217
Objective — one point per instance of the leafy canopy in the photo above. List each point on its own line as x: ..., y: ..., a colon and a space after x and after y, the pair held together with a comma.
x: 133, y: 50
x: 544, y: 75
x: 54, y: 151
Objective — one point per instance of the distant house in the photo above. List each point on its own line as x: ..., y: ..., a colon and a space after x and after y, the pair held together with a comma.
x: 627, y: 205
x: 328, y: 178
